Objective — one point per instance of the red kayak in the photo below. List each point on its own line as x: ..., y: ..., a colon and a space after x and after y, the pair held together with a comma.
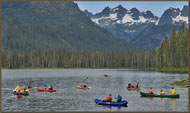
x: 39, y: 89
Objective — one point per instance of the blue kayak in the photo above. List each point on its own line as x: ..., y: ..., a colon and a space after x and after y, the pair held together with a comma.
x: 123, y: 103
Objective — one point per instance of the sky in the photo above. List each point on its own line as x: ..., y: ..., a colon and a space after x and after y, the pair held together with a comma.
x: 156, y: 7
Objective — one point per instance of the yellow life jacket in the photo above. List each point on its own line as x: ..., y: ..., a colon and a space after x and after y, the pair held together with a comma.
x: 138, y: 85
x: 172, y: 91
x: 161, y: 93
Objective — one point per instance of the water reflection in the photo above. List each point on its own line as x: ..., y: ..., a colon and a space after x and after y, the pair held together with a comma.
x: 109, y: 108
x: 173, y: 102
x: 162, y: 101
x: 152, y: 100
x: 19, y: 99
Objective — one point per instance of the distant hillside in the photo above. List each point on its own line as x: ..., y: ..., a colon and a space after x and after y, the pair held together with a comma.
x: 35, y: 25
x: 148, y: 39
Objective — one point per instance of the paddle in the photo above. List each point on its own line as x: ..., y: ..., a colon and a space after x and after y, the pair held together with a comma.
x: 27, y: 87
x: 85, y: 79
x: 100, y: 101
x: 35, y: 87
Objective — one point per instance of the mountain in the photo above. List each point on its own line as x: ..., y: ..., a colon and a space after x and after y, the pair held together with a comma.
x: 133, y: 25
x: 149, y: 40
x: 174, y: 16
x: 36, y: 25
x: 123, y: 23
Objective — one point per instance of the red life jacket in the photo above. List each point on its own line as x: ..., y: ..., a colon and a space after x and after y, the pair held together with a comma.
x: 19, y: 93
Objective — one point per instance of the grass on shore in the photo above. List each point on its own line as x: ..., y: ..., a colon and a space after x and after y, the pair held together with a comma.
x: 169, y: 70
x: 182, y: 83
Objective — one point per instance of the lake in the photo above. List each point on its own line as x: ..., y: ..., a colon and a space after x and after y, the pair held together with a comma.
x: 69, y: 98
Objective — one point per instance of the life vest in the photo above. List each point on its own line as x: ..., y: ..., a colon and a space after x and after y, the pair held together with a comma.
x: 17, y: 88
x: 19, y: 93
x: 22, y: 91
x: 138, y: 86
x: 173, y: 91
x: 162, y: 92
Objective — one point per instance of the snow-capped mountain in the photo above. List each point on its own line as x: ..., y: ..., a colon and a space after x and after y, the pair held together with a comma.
x: 123, y: 23
x: 130, y: 24
x: 120, y: 15
x: 174, y: 16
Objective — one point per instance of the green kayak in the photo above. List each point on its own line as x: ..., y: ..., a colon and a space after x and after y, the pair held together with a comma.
x: 156, y: 95
x: 25, y: 93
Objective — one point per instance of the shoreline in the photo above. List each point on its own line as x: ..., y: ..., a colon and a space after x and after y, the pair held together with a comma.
x: 163, y: 70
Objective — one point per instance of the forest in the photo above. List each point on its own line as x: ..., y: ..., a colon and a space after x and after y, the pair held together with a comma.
x: 172, y: 53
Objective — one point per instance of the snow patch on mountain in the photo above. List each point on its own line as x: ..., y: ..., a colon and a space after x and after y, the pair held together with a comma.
x: 180, y: 18
x: 111, y: 16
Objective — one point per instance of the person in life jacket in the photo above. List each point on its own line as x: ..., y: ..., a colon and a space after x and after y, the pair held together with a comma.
x: 118, y: 98
x: 129, y: 85
x: 19, y: 93
x: 151, y: 91
x: 51, y: 87
x: 162, y: 92
x: 134, y: 86
x: 17, y: 88
x: 22, y: 90
x: 172, y: 91
x: 108, y: 99
x: 138, y: 85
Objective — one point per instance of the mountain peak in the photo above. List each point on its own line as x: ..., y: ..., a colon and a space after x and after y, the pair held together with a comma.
x: 134, y: 9
x: 87, y: 13
x: 148, y: 14
x: 119, y: 6
x: 184, y: 11
x: 106, y: 10
x: 135, y: 13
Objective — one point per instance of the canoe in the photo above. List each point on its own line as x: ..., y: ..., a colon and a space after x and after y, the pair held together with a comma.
x: 143, y: 94
x: 25, y: 93
x: 123, y: 103
x: 133, y: 88
x: 45, y: 90
x: 79, y: 87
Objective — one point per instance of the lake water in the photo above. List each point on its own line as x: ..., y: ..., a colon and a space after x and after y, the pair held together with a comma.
x: 69, y: 98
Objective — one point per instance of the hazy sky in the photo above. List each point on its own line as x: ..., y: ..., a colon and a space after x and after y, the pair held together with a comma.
x: 156, y: 7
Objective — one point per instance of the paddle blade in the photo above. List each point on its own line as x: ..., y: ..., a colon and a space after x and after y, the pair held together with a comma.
x: 35, y: 87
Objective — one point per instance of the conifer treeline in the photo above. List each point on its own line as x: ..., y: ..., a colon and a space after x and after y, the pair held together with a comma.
x: 171, y: 53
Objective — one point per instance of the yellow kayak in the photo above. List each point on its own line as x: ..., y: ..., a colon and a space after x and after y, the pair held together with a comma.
x: 81, y: 87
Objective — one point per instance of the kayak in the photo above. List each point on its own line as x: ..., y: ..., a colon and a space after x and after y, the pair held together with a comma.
x: 17, y: 93
x: 156, y: 95
x: 133, y: 88
x: 123, y: 103
x: 79, y: 87
x: 45, y: 90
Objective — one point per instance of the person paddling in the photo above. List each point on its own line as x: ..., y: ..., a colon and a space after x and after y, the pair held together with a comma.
x: 84, y: 85
x: 172, y: 91
x: 151, y: 91
x: 108, y: 99
x: 162, y: 92
x: 51, y: 87
x: 17, y: 88
x: 129, y: 85
x: 138, y: 85
x: 118, y: 98
x: 134, y: 86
